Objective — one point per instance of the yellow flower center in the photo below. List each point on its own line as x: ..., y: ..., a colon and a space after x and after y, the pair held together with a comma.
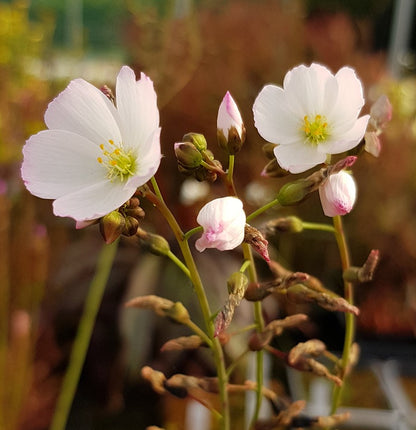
x: 316, y: 131
x: 120, y: 164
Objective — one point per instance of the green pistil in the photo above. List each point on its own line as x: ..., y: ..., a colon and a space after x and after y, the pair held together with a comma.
x: 316, y: 131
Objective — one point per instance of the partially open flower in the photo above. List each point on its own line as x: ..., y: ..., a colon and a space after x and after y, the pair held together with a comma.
x: 95, y: 155
x: 230, y: 128
x: 313, y: 115
x: 338, y: 194
x: 223, y: 221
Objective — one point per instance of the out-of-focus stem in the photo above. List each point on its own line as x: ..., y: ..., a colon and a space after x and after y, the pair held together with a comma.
x: 258, y: 319
x: 349, y: 317
x: 83, y: 337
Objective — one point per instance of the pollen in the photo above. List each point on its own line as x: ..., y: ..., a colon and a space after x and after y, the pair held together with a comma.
x: 120, y: 164
x: 316, y: 131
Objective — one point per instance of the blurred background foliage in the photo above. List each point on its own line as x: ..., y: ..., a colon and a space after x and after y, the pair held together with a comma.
x: 194, y: 51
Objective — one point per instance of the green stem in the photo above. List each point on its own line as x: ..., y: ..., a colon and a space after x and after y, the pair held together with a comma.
x: 193, y: 231
x: 216, y: 347
x: 318, y: 227
x: 349, y: 317
x: 179, y: 263
x: 258, y: 319
x: 230, y: 176
x: 83, y: 337
x: 264, y: 208
x: 234, y: 364
x: 200, y: 333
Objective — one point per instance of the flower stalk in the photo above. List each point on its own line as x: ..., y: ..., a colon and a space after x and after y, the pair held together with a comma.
x: 83, y: 337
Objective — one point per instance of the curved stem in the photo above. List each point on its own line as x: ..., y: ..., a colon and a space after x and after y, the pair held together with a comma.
x: 264, y: 208
x: 349, y: 317
x: 216, y: 347
x: 179, y: 263
x: 199, y: 332
x: 193, y: 231
x: 83, y: 337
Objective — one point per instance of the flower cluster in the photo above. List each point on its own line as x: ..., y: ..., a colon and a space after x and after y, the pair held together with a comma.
x: 98, y: 158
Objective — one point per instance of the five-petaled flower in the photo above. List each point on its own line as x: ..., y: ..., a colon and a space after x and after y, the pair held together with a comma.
x: 223, y: 221
x: 94, y: 154
x: 338, y: 194
x: 313, y: 115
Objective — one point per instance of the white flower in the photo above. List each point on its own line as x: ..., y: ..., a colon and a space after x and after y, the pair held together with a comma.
x: 95, y: 155
x: 313, y: 115
x: 223, y: 221
x: 229, y: 116
x: 338, y: 194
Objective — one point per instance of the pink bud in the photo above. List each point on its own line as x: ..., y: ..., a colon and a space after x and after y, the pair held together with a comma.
x: 229, y: 116
x: 381, y: 111
x: 223, y: 221
x: 338, y: 194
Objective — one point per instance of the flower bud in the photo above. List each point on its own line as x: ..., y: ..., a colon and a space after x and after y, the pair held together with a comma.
x: 273, y: 170
x: 154, y: 243
x: 294, y: 192
x: 231, y: 132
x: 290, y: 224
x: 381, y: 111
x: 338, y: 194
x: 112, y: 226
x: 372, y: 143
x: 197, y: 139
x: 223, y: 220
x: 131, y: 226
x: 187, y: 155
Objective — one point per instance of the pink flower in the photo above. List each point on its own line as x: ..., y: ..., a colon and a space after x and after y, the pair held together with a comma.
x: 338, y: 194
x: 94, y: 154
x: 223, y: 221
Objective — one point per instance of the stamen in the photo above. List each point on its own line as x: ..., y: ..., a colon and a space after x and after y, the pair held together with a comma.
x: 316, y: 131
x: 119, y: 163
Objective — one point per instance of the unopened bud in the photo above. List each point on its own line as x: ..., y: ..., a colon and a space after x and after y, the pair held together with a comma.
x: 187, y: 155
x: 312, y: 347
x: 157, y: 379
x: 197, y: 139
x: 268, y: 150
x: 154, y: 243
x: 372, y: 143
x: 290, y: 224
x: 131, y: 226
x: 273, y: 170
x: 162, y: 307
x: 338, y: 194
x: 231, y: 132
x: 112, y: 226
x: 295, y: 192
x: 381, y: 111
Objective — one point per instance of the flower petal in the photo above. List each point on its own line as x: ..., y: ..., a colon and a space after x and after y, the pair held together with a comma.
x: 350, y: 98
x: 273, y: 120
x: 57, y: 162
x: 83, y: 109
x: 305, y: 89
x: 298, y: 157
x: 347, y: 140
x: 148, y: 160
x: 94, y: 201
x: 137, y: 106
